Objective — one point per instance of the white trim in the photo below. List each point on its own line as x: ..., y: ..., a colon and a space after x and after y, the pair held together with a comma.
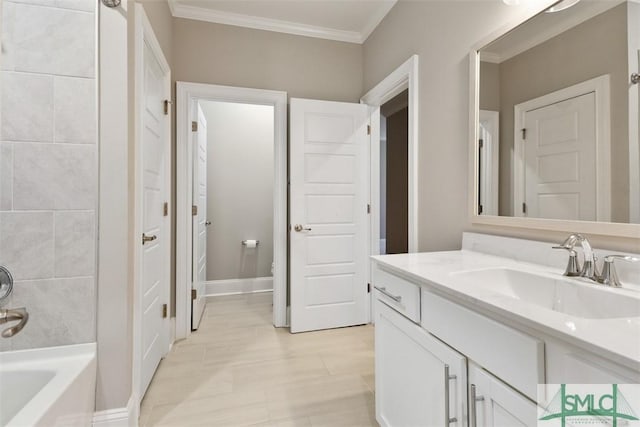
x: 600, y: 87
x: 119, y: 417
x: 187, y: 94
x: 491, y: 171
x: 144, y: 34
x: 238, y: 286
x: 403, y: 77
x: 179, y: 10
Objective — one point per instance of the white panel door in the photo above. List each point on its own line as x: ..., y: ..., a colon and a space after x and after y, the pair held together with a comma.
x: 329, y: 190
x: 155, y: 238
x: 199, y: 220
x: 560, y: 160
x: 497, y: 404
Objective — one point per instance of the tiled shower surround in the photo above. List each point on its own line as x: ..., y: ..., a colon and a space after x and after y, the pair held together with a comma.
x: 48, y: 168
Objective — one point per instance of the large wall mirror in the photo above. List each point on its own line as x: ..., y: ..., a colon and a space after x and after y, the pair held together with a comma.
x: 556, y: 133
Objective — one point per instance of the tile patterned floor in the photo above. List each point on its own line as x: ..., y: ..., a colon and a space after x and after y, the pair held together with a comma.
x: 238, y: 370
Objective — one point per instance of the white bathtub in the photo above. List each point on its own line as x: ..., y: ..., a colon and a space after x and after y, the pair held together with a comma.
x: 52, y: 386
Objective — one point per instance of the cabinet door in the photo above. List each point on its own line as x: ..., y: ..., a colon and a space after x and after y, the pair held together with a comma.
x: 496, y: 403
x: 411, y: 389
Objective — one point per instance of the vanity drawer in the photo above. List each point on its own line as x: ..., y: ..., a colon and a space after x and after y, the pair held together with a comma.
x: 514, y: 357
x: 400, y: 294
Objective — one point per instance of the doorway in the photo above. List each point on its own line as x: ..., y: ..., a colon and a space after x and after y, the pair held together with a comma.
x: 234, y: 251
x: 394, y: 174
x: 230, y: 250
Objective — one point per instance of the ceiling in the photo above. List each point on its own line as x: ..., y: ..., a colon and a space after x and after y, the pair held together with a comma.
x: 343, y: 20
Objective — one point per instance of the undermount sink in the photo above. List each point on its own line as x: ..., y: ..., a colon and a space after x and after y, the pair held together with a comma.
x: 589, y: 301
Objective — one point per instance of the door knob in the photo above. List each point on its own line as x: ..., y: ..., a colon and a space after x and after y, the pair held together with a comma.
x: 207, y: 223
x: 150, y: 238
x: 299, y: 228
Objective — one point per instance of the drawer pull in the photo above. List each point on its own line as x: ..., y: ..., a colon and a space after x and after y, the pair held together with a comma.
x: 473, y: 415
x: 384, y: 291
x: 447, y: 378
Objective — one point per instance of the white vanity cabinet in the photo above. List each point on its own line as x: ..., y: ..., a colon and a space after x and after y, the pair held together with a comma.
x: 420, y: 381
x: 492, y: 403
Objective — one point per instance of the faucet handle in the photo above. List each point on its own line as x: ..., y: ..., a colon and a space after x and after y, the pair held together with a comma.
x: 573, y: 268
x: 609, y: 277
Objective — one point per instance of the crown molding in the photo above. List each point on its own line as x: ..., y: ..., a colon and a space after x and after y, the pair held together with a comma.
x: 267, y: 24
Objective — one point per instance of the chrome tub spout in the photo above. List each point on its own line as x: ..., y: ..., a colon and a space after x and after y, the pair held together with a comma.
x: 12, y: 315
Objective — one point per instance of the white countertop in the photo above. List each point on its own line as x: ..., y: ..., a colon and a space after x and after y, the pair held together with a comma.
x: 615, y: 339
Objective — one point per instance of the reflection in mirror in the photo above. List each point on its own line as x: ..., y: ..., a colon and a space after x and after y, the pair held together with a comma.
x: 558, y: 121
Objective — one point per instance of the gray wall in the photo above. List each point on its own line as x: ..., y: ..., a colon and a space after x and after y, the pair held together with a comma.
x: 48, y: 164
x: 598, y: 46
x: 304, y: 67
x: 239, y: 189
x: 443, y: 33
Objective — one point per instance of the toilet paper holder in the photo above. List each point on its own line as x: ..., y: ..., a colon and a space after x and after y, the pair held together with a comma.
x: 244, y: 242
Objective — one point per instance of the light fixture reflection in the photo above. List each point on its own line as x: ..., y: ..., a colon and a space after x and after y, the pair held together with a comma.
x: 564, y: 4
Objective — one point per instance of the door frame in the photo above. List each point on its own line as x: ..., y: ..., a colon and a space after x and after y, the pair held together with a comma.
x: 186, y: 95
x: 144, y: 34
x: 405, y: 77
x: 490, y: 171
x: 601, y: 88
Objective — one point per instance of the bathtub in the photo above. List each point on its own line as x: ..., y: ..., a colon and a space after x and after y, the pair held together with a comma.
x: 52, y: 386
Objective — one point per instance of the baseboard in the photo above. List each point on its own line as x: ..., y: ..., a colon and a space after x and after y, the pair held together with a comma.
x: 238, y: 286
x: 119, y: 417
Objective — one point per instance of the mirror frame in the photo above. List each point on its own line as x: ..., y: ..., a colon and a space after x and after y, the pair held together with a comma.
x: 591, y: 227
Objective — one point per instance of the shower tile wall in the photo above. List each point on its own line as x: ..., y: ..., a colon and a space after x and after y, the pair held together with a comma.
x: 48, y: 168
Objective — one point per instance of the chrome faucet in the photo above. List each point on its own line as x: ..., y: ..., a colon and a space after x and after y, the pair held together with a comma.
x: 589, y: 268
x: 10, y: 315
x: 609, y: 276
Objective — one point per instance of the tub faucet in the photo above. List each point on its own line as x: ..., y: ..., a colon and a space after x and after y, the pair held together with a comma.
x: 589, y: 268
x: 11, y: 315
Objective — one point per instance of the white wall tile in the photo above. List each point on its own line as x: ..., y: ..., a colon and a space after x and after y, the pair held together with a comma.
x: 49, y: 40
x: 61, y: 312
x: 54, y: 176
x: 6, y: 176
x: 75, y: 244
x: 26, y: 244
x: 27, y: 112
x: 83, y: 5
x: 74, y: 109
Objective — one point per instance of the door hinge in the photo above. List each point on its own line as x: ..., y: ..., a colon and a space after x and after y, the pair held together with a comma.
x: 368, y: 129
x: 166, y: 106
x: 164, y: 311
x: 165, y: 209
x: 524, y: 133
x: 368, y: 208
x: 368, y: 288
x: 480, y: 143
x: 194, y: 294
x: 524, y: 208
x: 194, y: 210
x: 194, y: 126
x: 479, y: 209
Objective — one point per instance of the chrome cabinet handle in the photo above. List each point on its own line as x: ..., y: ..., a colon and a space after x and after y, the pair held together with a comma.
x: 473, y: 414
x: 300, y: 227
x: 447, y: 378
x: 384, y: 291
x: 150, y: 238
